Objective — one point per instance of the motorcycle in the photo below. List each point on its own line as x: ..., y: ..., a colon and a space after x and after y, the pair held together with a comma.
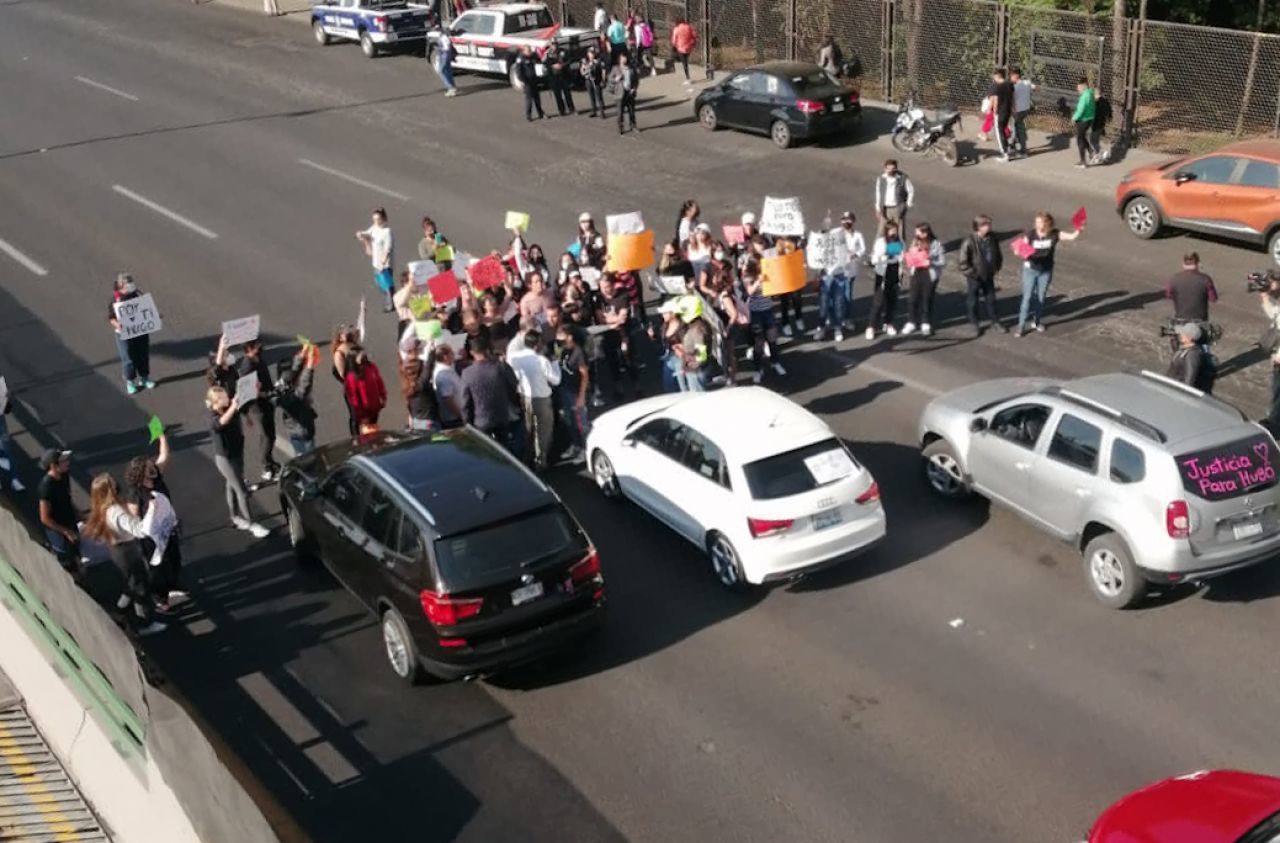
x: 912, y: 132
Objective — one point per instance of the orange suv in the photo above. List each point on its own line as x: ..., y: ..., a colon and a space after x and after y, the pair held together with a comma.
x: 1233, y: 193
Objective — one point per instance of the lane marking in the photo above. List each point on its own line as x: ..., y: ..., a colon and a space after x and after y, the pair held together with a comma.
x: 31, y: 265
x: 341, y: 175
x: 110, y: 90
x: 164, y: 212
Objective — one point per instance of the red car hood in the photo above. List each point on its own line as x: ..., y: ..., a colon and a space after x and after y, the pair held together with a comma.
x: 1206, y: 807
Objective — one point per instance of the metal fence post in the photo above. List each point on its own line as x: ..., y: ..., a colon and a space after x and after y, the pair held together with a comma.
x: 792, y: 26
x: 1000, y: 50
x: 886, y: 49
x: 705, y: 6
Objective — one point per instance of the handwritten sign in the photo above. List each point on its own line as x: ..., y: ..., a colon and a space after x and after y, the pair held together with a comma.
x: 516, y: 221
x: 247, y: 388
x: 455, y: 341
x: 444, y: 287
x: 629, y: 223
x: 669, y: 285
x: 462, y: 265
x: 783, y: 273
x: 734, y: 234
x: 420, y: 271
x: 827, y: 250
x: 137, y: 316
x: 829, y: 466
x: 428, y: 331
x: 782, y: 217
x: 155, y: 427
x: 487, y: 272
x: 590, y: 276
x: 1230, y: 470
x: 241, y: 331
x: 420, y: 306
x: 1022, y: 248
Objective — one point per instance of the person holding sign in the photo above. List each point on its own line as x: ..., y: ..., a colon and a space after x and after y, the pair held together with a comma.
x: 261, y: 411
x: 925, y: 258
x: 431, y: 240
x: 591, y: 245
x: 380, y: 247
x: 886, y: 259
x: 135, y: 352
x: 143, y: 485
x: 1038, y: 251
x: 112, y: 524
x: 764, y: 326
x: 228, y: 457
x: 294, y: 380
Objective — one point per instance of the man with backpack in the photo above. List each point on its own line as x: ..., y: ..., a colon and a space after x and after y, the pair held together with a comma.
x: 895, y: 194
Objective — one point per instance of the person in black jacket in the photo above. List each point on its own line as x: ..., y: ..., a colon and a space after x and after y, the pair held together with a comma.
x: 261, y: 412
x: 980, y: 260
x: 418, y: 389
x: 556, y: 63
x: 1191, y: 364
x: 294, y: 380
x: 627, y: 79
x: 593, y: 74
x: 527, y: 75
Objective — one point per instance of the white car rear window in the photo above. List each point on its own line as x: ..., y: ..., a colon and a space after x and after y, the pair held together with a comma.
x: 799, y: 471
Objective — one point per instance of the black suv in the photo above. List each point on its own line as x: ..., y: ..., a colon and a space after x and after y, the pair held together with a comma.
x: 472, y: 563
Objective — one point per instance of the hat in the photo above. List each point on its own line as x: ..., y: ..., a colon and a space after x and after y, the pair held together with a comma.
x: 748, y: 218
x: 671, y: 305
x: 585, y: 216
x: 702, y: 226
x: 847, y: 215
x: 1190, y: 330
x: 51, y: 456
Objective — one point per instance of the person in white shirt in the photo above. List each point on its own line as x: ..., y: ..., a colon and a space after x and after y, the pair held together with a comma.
x: 895, y: 194
x: 448, y: 387
x: 536, y: 374
x: 836, y: 285
x: 380, y: 247
x: 1022, y: 89
x: 601, y: 20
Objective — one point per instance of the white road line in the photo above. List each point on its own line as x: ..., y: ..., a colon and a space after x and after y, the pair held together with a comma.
x: 341, y: 175
x: 110, y: 90
x: 31, y: 265
x: 164, y: 212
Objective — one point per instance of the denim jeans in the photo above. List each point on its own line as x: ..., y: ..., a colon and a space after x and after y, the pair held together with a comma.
x: 695, y: 381
x: 671, y: 365
x: 445, y: 69
x: 575, y: 421
x: 126, y: 364
x: 833, y: 299
x: 1035, y: 286
x: 301, y: 444
x: 5, y: 442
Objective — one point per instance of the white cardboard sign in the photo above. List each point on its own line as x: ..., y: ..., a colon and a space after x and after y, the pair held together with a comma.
x: 247, y: 388
x: 137, y: 316
x: 629, y: 223
x: 420, y: 271
x: 782, y: 217
x: 827, y: 250
x: 669, y: 285
x: 241, y: 331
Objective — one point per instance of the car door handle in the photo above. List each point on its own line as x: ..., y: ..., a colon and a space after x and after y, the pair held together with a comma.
x: 1022, y: 466
x: 1083, y: 493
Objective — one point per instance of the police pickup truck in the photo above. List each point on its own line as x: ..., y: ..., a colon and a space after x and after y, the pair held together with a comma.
x: 487, y: 39
x: 376, y: 24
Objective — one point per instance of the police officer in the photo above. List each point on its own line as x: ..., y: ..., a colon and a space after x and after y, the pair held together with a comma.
x: 1191, y: 291
x: 1191, y: 364
x: 556, y: 62
x: 527, y: 76
x: 593, y: 76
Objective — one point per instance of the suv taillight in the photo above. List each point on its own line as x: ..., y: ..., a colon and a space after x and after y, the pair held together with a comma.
x: 810, y: 107
x: 587, y: 569
x: 443, y: 610
x: 1177, y: 520
x: 761, y: 527
x: 870, y: 495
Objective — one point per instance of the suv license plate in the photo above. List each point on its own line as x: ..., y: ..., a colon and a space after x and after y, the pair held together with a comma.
x: 838, y: 107
x: 823, y: 520
x: 526, y: 593
x: 1248, y: 529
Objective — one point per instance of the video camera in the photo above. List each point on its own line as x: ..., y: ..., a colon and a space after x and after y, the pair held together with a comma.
x: 1258, y: 282
x: 1210, y: 332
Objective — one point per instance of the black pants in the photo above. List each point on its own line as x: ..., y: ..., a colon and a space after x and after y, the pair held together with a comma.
x: 627, y: 108
x: 1082, y: 140
x: 787, y: 302
x: 1002, y: 133
x: 684, y: 63
x: 616, y: 50
x: 135, y: 596
x: 564, y: 96
x: 920, y: 298
x: 164, y: 577
x: 596, y: 93
x: 1273, y: 417
x: 532, y: 101
x: 984, y: 289
x: 618, y: 359
x: 261, y: 414
x: 884, y: 300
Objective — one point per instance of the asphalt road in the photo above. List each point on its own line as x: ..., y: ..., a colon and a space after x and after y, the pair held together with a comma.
x: 956, y: 683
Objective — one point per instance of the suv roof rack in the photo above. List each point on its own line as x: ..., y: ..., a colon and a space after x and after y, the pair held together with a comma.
x: 1164, y: 380
x: 1137, y: 425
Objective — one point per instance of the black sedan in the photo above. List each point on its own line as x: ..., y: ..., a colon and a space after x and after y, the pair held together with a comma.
x: 471, y: 562
x: 785, y: 100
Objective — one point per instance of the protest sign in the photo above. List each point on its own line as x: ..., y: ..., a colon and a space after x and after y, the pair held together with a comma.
x: 669, y: 285
x: 1079, y: 218
x: 782, y: 217
x: 783, y: 273
x: 137, y: 316
x: 715, y: 328
x: 462, y: 265
x: 420, y: 271
x: 827, y: 250
x: 444, y: 287
x: 155, y: 427
x: 1022, y: 248
x: 455, y: 341
x: 734, y: 234
x: 428, y: 331
x: 517, y: 221
x: 241, y: 331
x: 420, y: 306
x: 630, y: 251
x: 487, y: 272
x: 444, y: 253
x: 590, y: 277
x: 630, y: 223
x: 247, y: 388
x: 916, y: 258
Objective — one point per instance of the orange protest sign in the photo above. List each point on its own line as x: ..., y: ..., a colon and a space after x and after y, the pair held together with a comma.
x: 783, y: 274
x: 630, y: 251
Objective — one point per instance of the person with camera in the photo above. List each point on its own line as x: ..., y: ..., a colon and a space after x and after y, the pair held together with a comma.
x: 1192, y: 364
x: 1191, y: 291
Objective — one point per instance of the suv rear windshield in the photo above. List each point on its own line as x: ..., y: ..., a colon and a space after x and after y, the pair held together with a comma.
x: 799, y: 471
x: 1230, y: 470
x: 497, y: 552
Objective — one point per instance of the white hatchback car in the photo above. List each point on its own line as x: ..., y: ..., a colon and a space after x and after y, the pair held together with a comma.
x: 758, y: 482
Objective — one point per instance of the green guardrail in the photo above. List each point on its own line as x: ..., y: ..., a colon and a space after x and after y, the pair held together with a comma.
x: 126, y: 729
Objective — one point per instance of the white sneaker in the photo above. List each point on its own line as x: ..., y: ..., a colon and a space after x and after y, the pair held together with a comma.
x: 452, y: 92
x: 777, y: 367
x: 839, y: 335
x: 258, y: 531
x: 926, y: 329
x: 817, y: 334
x: 757, y: 377
x: 870, y: 334
x: 239, y: 523
x: 17, y: 485
x: 751, y: 354
x: 177, y: 595
x: 152, y: 628
x: 890, y: 331
x: 4, y: 464
x: 909, y: 328
x: 786, y: 330
x: 799, y: 324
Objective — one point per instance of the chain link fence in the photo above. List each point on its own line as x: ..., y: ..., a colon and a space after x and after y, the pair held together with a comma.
x: 1174, y: 87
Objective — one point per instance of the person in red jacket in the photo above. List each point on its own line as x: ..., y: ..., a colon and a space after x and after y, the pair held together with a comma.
x: 366, y: 394
x: 683, y: 39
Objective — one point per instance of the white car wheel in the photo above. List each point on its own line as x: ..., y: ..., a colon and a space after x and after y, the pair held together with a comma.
x: 367, y: 46
x: 942, y: 470
x: 725, y: 563
x: 605, y: 476
x: 402, y: 655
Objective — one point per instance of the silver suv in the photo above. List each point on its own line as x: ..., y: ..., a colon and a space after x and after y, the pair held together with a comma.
x: 1154, y: 482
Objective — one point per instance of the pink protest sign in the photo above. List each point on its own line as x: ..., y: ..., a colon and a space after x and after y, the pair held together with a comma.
x: 444, y: 287
x: 1022, y: 248
x: 733, y: 235
x: 1079, y: 218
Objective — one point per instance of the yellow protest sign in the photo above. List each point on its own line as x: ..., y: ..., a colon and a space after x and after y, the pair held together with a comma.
x: 517, y: 220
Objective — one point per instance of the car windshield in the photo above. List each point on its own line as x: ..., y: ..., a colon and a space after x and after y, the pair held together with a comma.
x: 525, y: 21
x: 499, y: 551
x: 799, y: 471
x: 1230, y: 470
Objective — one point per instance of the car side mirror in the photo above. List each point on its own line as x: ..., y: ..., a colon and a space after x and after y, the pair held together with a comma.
x: 1182, y: 178
x: 978, y: 425
x: 628, y: 442
x: 309, y: 490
